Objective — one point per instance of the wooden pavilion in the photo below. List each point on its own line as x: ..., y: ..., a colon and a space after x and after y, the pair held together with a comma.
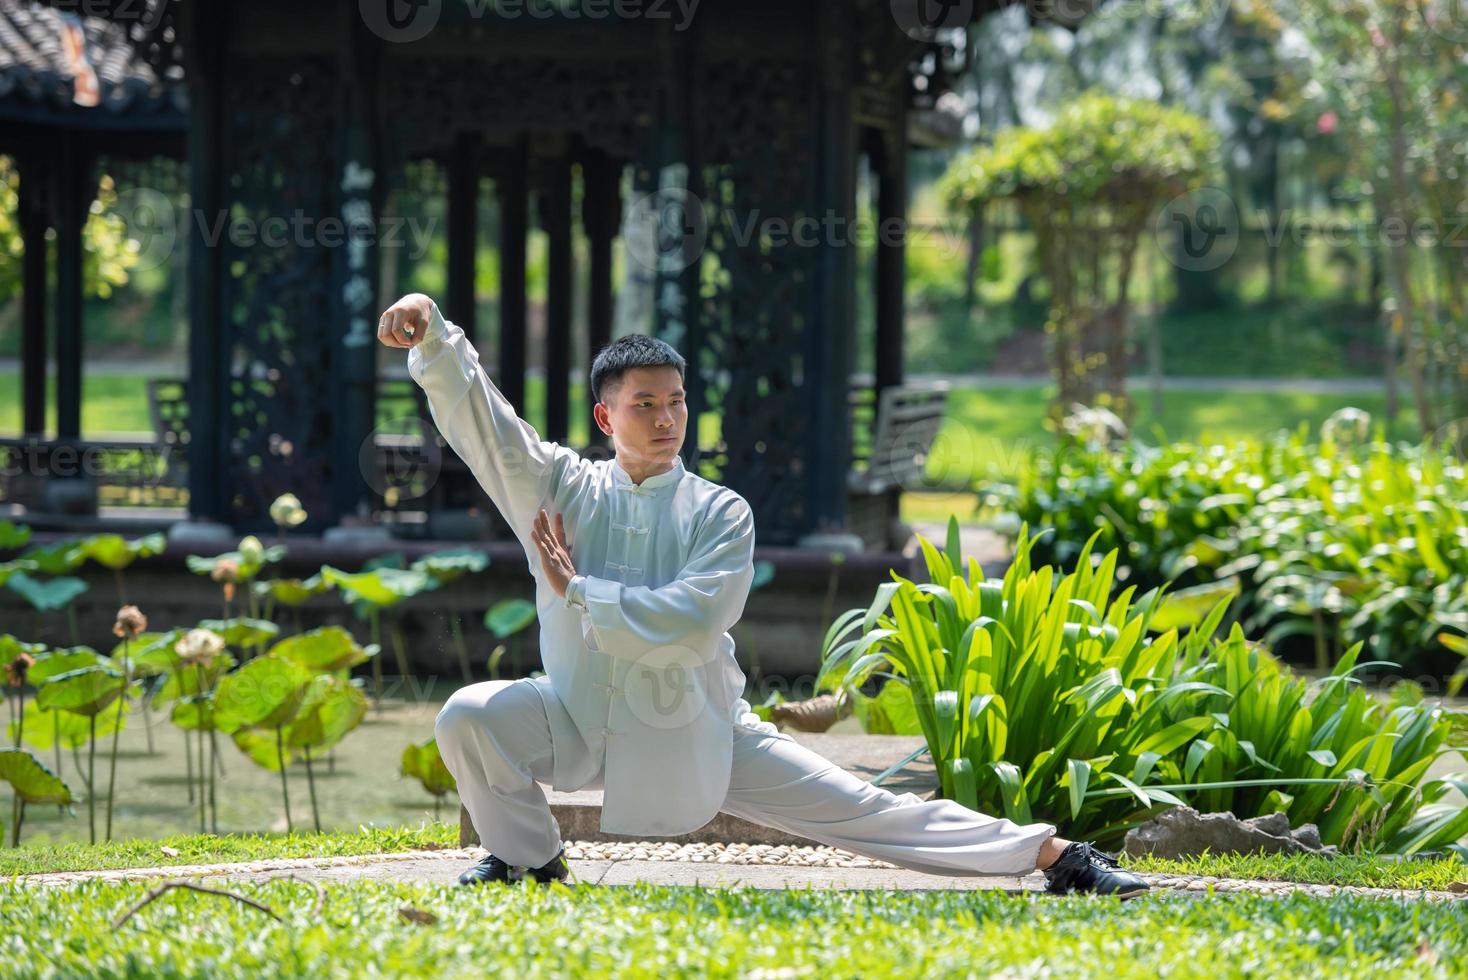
x: 747, y: 111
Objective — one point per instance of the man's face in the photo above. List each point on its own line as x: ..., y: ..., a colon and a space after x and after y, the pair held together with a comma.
x: 646, y: 415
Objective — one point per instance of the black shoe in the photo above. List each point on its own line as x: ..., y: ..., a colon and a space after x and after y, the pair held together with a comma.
x: 1082, y: 868
x: 491, y: 868
x: 556, y: 869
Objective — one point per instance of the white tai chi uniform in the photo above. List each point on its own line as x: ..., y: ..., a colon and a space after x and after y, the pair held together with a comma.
x: 641, y: 694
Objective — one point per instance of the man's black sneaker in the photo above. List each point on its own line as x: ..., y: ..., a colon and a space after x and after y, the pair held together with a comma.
x: 1082, y: 868
x: 491, y: 868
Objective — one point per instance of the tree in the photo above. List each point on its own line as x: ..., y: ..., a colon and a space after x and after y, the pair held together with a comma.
x: 1088, y: 185
x: 1395, y: 73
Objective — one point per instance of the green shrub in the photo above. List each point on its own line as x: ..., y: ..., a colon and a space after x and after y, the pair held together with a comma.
x: 1348, y: 542
x: 1045, y: 697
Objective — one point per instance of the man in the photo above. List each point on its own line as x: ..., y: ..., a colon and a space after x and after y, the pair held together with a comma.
x: 640, y: 569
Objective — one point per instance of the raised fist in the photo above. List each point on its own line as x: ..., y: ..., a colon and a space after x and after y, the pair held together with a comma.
x: 405, y: 322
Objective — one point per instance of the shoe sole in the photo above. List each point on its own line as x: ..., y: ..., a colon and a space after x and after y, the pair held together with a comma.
x: 1133, y: 893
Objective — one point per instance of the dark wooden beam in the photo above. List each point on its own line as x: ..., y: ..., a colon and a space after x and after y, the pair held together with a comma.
x: 601, y: 208
x: 463, y: 232
x: 73, y: 202
x: 34, y: 326
x: 560, y: 287
x: 891, y: 253
x: 511, y: 187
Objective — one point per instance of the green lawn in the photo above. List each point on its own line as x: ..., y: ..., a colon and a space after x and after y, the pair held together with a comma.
x: 989, y: 434
x: 118, y: 403
x: 111, y: 404
x: 639, y: 931
x: 142, y: 852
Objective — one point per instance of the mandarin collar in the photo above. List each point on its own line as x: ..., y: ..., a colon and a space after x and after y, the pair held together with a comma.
x: 620, y: 477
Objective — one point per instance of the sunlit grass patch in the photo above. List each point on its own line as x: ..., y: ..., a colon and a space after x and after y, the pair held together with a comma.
x: 223, y: 849
x: 648, y: 931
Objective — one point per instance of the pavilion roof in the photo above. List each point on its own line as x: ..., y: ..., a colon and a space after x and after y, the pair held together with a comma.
x: 60, y: 67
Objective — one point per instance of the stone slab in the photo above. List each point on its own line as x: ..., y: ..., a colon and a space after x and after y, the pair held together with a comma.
x: 445, y: 870
x: 443, y: 867
x: 579, y: 813
x: 770, y: 876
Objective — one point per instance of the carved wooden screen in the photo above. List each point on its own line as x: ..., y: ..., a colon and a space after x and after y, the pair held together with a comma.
x: 756, y: 154
x: 276, y: 289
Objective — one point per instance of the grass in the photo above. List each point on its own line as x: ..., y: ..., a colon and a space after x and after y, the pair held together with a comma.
x: 1293, y: 339
x: 658, y: 931
x: 989, y: 434
x: 114, y: 404
x: 225, y: 848
x: 1437, y: 874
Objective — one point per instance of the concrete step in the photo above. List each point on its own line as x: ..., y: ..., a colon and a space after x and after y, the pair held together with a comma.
x: 868, y: 756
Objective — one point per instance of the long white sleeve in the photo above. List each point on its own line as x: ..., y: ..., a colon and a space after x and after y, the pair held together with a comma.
x: 695, y: 609
x: 518, y: 469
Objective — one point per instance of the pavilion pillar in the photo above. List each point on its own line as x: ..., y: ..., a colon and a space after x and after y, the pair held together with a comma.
x: 514, y: 210
x: 353, y: 346
x: 560, y: 286
x: 203, y: 33
x: 463, y: 232
x: 35, y: 330
x: 830, y: 326
x: 891, y: 268
x: 73, y: 203
x: 891, y: 255
x: 601, y: 215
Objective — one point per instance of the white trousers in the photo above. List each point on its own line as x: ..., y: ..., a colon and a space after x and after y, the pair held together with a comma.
x: 496, y: 741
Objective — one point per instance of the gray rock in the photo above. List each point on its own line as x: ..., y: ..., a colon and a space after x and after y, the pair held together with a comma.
x: 1184, y: 832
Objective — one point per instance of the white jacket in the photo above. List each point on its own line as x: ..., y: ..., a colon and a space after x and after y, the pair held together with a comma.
x: 638, y: 651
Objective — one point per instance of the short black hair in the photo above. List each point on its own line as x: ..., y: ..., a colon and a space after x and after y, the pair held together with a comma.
x: 635, y: 350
